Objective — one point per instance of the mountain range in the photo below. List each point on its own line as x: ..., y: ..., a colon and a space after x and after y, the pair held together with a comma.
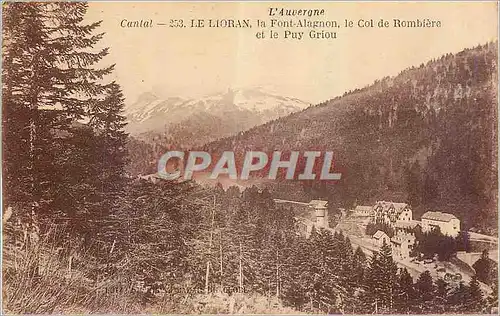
x: 183, y: 123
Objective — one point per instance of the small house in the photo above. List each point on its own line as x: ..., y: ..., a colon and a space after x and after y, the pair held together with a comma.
x: 380, y: 237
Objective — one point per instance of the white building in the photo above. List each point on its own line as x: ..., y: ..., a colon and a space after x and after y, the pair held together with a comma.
x: 390, y: 212
x: 362, y: 210
x: 447, y: 223
x: 380, y: 237
x: 402, y: 245
x: 321, y: 212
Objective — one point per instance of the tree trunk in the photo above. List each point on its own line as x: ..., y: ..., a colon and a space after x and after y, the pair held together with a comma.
x: 277, y: 275
x: 221, y: 264
x: 207, y: 273
x: 240, y: 279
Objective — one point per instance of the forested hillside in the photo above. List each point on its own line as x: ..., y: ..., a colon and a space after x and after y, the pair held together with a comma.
x: 143, y: 157
x: 427, y: 136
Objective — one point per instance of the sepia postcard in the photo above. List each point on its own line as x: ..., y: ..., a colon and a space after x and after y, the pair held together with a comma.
x: 231, y: 157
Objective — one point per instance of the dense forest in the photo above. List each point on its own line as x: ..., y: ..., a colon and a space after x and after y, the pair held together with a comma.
x: 81, y: 236
x: 143, y: 156
x: 427, y: 137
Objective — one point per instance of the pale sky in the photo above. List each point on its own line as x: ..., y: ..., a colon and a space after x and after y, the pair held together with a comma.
x: 192, y: 62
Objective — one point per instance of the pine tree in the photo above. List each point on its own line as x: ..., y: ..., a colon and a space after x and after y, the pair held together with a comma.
x: 425, y: 292
x: 107, y: 121
x: 457, y: 299
x: 389, y: 273
x: 474, y: 297
x: 49, y: 84
x: 107, y: 118
x: 441, y: 298
x: 369, y: 296
x: 297, y: 276
x: 153, y: 235
x: 380, y: 283
x: 348, y: 274
x: 26, y: 78
x: 486, y: 269
x: 336, y: 260
x: 359, y: 266
x: 405, y: 292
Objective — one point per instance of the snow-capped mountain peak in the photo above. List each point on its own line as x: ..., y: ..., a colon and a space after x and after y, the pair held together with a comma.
x: 255, y: 105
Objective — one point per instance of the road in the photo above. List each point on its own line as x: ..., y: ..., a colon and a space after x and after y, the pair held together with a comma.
x: 484, y: 238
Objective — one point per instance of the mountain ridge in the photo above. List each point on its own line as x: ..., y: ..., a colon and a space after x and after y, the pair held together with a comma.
x: 151, y: 113
x: 397, y: 138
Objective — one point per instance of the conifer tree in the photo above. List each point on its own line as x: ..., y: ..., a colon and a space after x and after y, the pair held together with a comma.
x: 425, y: 291
x: 359, y: 266
x: 474, y: 297
x: 356, y: 278
x: 107, y: 120
x: 381, y: 280
x: 405, y: 296
x: 441, y: 298
x: 389, y: 271
x: 369, y: 298
x: 49, y: 84
x: 486, y: 269
x: 297, y: 288
x: 26, y: 78
x: 458, y: 297
x: 337, y: 262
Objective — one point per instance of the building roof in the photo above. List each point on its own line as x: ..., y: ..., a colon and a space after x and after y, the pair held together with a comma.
x: 379, y: 234
x: 396, y: 240
x: 363, y: 208
x: 400, y: 239
x: 407, y: 224
x: 438, y: 216
x: 318, y: 203
x: 398, y: 207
